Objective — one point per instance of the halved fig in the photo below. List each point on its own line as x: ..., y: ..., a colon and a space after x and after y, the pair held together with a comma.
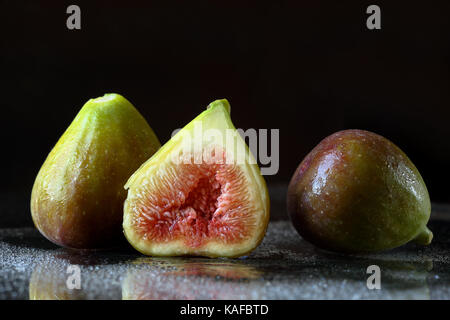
x: 201, y: 194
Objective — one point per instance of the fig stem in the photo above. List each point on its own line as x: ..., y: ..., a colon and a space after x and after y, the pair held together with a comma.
x: 220, y: 102
x: 424, y: 237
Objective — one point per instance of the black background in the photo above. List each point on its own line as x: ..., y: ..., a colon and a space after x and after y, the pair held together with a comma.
x: 308, y: 68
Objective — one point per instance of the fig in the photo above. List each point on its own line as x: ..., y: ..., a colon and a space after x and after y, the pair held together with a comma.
x: 77, y: 197
x: 357, y: 192
x: 201, y: 194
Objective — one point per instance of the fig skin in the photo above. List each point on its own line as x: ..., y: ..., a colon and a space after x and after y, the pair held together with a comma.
x: 77, y: 197
x: 357, y: 192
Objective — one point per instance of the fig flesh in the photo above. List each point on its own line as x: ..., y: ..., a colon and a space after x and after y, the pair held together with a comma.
x: 77, y: 197
x: 201, y: 194
x: 358, y: 192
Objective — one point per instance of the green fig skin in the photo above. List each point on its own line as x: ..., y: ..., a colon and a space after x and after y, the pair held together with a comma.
x: 356, y: 192
x: 77, y: 197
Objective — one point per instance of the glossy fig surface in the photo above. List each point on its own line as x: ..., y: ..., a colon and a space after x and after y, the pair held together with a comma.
x: 77, y: 197
x: 358, y: 192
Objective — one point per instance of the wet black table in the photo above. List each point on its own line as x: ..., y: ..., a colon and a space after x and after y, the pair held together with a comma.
x: 283, y: 267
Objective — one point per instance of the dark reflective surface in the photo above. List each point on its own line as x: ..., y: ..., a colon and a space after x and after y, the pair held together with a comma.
x: 283, y: 267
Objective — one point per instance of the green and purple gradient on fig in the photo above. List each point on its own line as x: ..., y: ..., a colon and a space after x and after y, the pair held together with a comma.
x: 78, y: 194
x: 357, y: 192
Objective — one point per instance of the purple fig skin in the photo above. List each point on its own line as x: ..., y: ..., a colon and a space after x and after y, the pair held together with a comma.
x: 357, y: 192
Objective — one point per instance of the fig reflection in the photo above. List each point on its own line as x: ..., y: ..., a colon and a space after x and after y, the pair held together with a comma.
x: 187, y: 278
x: 55, y: 277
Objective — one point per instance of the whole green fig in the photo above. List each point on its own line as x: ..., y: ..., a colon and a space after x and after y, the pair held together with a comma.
x: 358, y: 192
x: 77, y: 198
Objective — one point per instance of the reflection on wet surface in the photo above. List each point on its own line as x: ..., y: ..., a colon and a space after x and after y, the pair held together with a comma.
x: 181, y: 278
x: 283, y: 267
